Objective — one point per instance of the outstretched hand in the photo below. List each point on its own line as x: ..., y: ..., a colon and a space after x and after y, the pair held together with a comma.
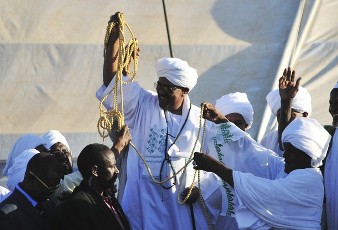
x: 212, y: 114
x: 288, y: 88
x: 205, y: 162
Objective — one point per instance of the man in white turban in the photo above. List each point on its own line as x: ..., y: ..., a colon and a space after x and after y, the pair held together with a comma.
x: 57, y: 145
x: 237, y: 108
x: 286, y: 103
x: 331, y: 165
x: 16, y: 172
x: 291, y: 194
x: 164, y: 126
x: 27, y: 141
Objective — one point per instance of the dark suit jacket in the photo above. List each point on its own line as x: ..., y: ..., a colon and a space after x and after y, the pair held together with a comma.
x: 86, y: 210
x: 16, y: 212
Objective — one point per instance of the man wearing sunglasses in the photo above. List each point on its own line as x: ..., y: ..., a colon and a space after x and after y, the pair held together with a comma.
x: 28, y: 206
x: 164, y: 126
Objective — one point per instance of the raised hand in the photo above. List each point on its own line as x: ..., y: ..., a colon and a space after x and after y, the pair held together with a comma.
x: 122, y: 138
x: 288, y: 88
x: 212, y: 114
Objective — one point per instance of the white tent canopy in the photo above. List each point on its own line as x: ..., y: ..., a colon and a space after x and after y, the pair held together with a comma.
x: 52, y: 56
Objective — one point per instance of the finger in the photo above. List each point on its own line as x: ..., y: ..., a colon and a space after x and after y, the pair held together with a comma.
x: 288, y: 74
x: 293, y: 76
x: 281, y: 80
x: 298, y: 83
x: 197, y: 167
x: 284, y: 72
x: 197, y: 155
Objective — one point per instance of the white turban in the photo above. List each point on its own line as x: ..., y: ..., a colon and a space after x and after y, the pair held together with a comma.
x: 16, y: 173
x: 308, y: 135
x: 301, y: 102
x: 336, y: 86
x: 27, y: 141
x: 236, y: 103
x: 54, y: 136
x: 177, y: 71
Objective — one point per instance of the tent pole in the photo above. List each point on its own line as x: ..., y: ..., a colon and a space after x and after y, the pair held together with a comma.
x: 167, y: 26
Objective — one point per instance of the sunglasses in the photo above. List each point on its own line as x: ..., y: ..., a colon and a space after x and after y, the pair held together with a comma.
x: 166, y: 88
x: 50, y: 189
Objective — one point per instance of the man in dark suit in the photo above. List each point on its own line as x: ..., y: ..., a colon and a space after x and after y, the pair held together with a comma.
x: 28, y: 206
x: 91, y: 206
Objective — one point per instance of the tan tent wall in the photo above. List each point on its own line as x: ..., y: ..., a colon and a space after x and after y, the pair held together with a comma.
x: 51, y: 56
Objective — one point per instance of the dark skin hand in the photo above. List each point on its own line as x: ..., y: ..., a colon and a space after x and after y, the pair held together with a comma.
x: 121, y: 141
x: 110, y: 65
x: 212, y: 114
x: 193, y: 196
x: 207, y: 163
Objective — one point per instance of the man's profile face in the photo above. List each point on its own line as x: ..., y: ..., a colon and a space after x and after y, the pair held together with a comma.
x: 170, y: 96
x: 333, y: 108
x: 295, y: 158
x: 107, y: 171
x: 238, y: 120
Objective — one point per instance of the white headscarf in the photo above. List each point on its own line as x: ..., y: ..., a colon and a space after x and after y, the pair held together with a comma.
x: 177, y: 71
x: 16, y: 173
x: 27, y: 141
x: 54, y: 136
x: 308, y: 135
x: 236, y: 103
x: 301, y: 102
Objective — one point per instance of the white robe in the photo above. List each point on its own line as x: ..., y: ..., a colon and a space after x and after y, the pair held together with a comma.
x: 331, y: 185
x: 240, y: 153
x: 254, y: 193
x: 146, y: 204
x: 270, y: 141
x: 298, y: 204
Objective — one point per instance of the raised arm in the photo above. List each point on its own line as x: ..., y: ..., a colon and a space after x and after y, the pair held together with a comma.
x: 111, y: 51
x: 288, y: 89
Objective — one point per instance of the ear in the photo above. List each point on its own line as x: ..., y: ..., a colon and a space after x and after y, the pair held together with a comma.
x: 94, y: 170
x: 305, y: 114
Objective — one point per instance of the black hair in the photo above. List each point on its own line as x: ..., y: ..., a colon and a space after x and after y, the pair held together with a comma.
x: 92, y: 154
x: 42, y: 163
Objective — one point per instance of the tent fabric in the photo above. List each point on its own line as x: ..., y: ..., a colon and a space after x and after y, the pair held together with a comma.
x: 52, y: 56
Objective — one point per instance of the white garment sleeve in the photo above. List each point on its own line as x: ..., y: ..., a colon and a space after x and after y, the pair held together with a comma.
x: 131, y: 92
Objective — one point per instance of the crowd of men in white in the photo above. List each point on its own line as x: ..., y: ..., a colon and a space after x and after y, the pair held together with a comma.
x: 257, y: 185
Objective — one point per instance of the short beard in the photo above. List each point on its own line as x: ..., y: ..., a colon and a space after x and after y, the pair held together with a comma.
x: 335, y: 120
